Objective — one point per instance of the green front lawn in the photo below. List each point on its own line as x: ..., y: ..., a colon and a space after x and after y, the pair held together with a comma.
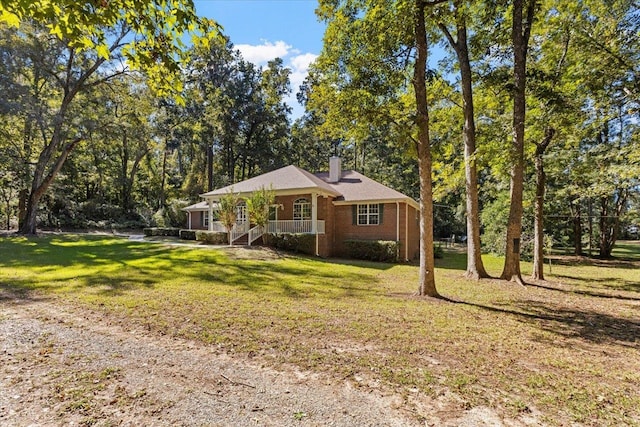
x: 566, y: 350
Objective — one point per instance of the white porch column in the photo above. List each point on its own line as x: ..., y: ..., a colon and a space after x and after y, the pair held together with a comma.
x: 398, y: 229
x: 210, y: 203
x: 314, y: 219
x: 314, y: 212
x: 406, y: 231
x: 397, y: 221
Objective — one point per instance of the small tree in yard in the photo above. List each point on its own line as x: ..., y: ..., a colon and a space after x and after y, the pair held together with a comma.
x: 258, y: 206
x: 227, y: 211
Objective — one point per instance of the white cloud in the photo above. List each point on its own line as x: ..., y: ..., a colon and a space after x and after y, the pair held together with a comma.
x: 297, y: 62
x: 302, y: 62
x: 263, y: 53
x: 299, y: 66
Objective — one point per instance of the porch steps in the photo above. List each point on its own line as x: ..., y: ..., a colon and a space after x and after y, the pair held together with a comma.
x: 242, y: 240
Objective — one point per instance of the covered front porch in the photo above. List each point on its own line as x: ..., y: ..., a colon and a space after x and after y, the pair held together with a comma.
x: 289, y: 214
x: 240, y: 229
x: 277, y: 227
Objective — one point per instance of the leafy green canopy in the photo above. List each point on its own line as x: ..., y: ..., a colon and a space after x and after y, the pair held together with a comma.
x: 158, y: 30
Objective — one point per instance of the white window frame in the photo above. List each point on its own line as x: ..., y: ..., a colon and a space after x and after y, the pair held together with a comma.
x: 301, y: 209
x: 205, y: 219
x: 274, y: 209
x: 241, y: 213
x: 368, y: 214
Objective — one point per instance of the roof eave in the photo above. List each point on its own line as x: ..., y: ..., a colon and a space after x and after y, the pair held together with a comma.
x: 279, y: 192
x: 406, y: 200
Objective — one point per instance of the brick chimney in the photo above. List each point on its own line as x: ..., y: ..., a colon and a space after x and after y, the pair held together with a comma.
x: 335, y: 169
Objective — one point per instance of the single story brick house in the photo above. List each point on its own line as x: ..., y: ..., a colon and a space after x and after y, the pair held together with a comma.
x: 335, y: 206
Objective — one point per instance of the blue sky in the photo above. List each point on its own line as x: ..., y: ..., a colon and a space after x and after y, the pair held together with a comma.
x: 267, y: 29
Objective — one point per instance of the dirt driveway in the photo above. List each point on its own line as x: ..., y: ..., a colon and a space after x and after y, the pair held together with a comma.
x: 64, y: 365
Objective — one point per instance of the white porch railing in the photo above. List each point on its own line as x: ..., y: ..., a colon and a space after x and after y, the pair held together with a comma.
x: 218, y: 227
x: 294, y: 226
x: 255, y: 233
x: 238, y: 230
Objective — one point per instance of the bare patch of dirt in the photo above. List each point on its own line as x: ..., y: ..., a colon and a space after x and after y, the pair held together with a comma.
x: 62, y: 365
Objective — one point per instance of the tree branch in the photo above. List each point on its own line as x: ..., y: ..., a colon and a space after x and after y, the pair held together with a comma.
x: 448, y: 35
x: 433, y: 2
x: 58, y: 165
x: 541, y: 146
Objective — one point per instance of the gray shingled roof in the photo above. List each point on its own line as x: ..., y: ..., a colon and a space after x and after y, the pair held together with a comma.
x: 199, y: 206
x: 353, y: 186
x: 286, y: 178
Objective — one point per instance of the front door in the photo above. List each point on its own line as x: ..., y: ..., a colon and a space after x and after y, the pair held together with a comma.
x: 241, y: 213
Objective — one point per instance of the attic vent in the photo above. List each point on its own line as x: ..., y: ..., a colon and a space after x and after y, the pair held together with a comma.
x: 335, y: 169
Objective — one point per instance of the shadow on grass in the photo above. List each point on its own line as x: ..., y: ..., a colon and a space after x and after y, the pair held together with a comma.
x: 590, y: 293
x: 590, y: 326
x: 573, y: 261
x: 112, y: 266
x: 612, y: 283
x: 72, y: 250
x: 452, y: 261
x: 374, y: 265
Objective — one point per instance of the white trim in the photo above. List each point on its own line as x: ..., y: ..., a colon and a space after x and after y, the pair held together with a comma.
x: 210, y: 226
x: 369, y: 214
x: 295, y: 226
x: 301, y: 203
x: 189, y: 219
x: 408, y: 201
x: 314, y: 219
x: 398, y: 221
x: 406, y: 232
x: 314, y: 212
x: 277, y: 207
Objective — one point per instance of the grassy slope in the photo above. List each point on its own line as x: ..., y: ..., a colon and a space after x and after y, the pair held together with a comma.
x: 567, y: 348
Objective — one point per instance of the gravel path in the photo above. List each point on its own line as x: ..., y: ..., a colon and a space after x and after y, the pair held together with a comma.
x: 62, y: 367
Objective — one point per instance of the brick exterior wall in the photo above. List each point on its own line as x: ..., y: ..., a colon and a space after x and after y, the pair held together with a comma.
x: 339, y: 225
x: 325, y: 209
x: 413, y: 233
x: 344, y: 229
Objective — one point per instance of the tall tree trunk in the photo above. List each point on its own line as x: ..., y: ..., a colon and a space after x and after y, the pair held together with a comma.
x: 54, y: 154
x: 8, y: 215
x: 520, y: 37
x: 209, y: 168
x: 163, y: 179
x: 611, y: 209
x: 538, y: 225
x: 41, y: 182
x: 605, y: 249
x: 131, y: 179
x: 576, y: 219
x: 427, y: 282
x: 475, y: 267
x: 23, y: 195
x: 125, y: 192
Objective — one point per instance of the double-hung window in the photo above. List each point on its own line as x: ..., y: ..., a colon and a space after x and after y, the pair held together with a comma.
x: 205, y: 219
x: 301, y: 209
x: 369, y: 214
